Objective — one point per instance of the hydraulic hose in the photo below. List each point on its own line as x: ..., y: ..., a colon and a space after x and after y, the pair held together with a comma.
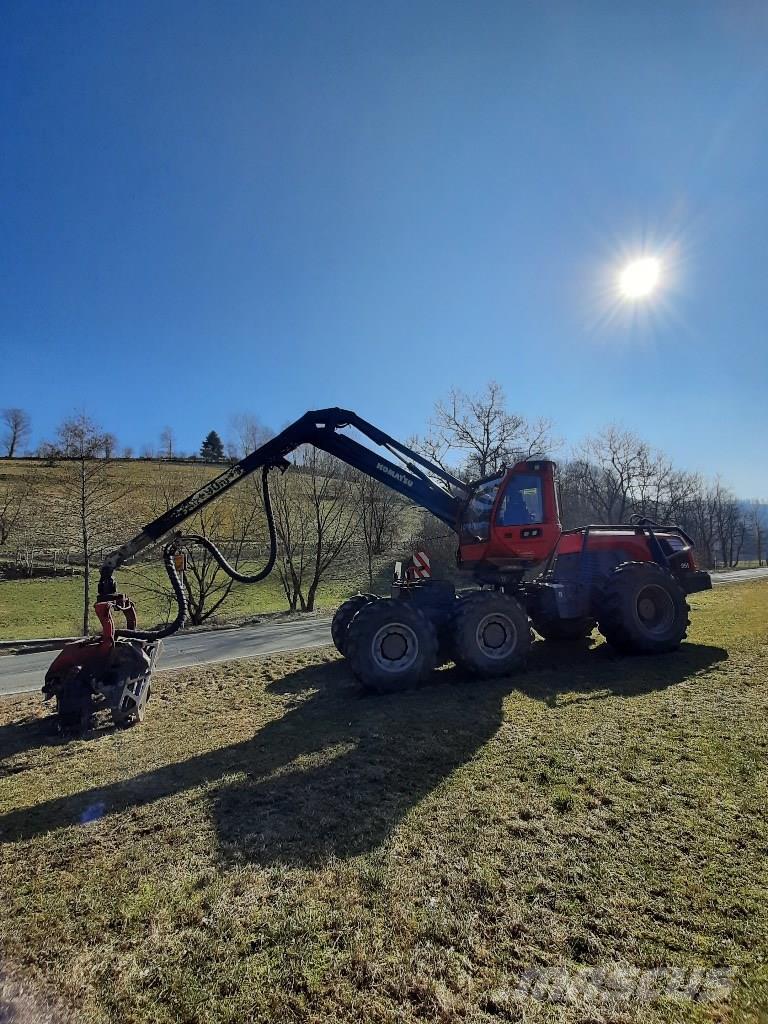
x: 181, y: 603
x: 178, y: 587
x: 238, y: 577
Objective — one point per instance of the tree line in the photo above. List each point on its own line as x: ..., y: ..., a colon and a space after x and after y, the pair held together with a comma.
x: 605, y: 478
x: 327, y: 512
x: 246, y: 433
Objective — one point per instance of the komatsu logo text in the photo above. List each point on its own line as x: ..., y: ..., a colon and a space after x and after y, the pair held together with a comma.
x: 394, y: 474
x: 204, y: 495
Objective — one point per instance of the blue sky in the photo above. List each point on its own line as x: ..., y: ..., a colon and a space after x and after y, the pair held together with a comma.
x: 212, y: 208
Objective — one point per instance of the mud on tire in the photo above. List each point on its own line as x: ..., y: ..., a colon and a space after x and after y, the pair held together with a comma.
x: 642, y: 609
x: 391, y: 645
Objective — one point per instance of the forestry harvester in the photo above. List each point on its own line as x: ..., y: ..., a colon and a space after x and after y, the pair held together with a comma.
x: 630, y: 580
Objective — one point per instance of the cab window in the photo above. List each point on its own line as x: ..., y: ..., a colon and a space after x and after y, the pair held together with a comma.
x: 521, y: 502
x: 476, y: 521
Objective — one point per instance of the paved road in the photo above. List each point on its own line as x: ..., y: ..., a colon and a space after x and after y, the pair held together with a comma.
x: 24, y: 673
x: 739, y: 575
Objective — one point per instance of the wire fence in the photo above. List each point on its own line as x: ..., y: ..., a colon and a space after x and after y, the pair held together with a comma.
x: 33, y: 561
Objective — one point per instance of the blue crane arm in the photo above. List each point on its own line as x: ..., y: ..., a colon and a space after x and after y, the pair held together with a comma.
x: 413, y: 476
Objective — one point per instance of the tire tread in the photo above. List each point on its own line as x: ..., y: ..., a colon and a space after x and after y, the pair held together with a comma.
x: 612, y: 621
x: 367, y: 621
x: 465, y: 652
x: 343, y: 616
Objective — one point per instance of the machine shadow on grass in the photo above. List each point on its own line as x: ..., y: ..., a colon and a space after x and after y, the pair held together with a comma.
x: 338, y: 771
x: 19, y: 737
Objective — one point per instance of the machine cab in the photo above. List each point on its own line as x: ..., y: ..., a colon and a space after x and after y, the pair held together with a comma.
x: 512, y: 519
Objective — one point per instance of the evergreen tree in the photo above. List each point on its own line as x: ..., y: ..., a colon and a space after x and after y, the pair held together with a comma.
x: 212, y: 448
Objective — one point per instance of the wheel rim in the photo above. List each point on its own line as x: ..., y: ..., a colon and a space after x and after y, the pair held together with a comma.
x: 655, y: 609
x: 395, y: 647
x: 496, y: 635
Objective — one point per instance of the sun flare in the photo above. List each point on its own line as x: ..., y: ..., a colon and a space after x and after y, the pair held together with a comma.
x: 640, y: 278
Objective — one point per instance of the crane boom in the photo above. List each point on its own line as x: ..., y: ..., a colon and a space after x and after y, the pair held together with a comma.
x: 413, y: 476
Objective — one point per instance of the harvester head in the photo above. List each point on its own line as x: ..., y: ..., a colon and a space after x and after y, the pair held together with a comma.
x: 104, y: 672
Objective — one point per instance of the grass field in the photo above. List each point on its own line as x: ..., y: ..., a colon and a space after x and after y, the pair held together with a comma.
x: 53, y: 607
x: 272, y: 846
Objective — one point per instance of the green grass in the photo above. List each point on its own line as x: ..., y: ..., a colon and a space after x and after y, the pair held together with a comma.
x: 272, y: 846
x: 53, y: 607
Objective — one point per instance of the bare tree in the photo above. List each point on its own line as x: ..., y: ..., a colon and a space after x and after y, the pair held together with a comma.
x: 86, y: 494
x: 379, y: 513
x: 576, y: 507
x: 15, y: 500
x: 713, y: 516
x: 248, y: 434
x: 730, y: 526
x: 315, y: 517
x: 481, y: 432
x: 234, y: 530
x: 109, y: 445
x: 127, y: 452
x: 611, y: 466
x: 699, y: 520
x: 616, y: 473
x: 48, y: 452
x: 757, y: 519
x: 17, y: 427
x: 167, y: 442
x: 235, y: 523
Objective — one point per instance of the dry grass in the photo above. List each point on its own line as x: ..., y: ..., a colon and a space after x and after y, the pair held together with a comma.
x: 273, y: 846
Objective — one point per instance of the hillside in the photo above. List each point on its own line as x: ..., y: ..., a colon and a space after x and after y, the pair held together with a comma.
x: 49, y: 601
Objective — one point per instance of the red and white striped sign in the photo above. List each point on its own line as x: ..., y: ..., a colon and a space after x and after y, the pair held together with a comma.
x: 421, y: 568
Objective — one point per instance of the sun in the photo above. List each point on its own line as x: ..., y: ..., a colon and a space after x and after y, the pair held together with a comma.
x: 640, y: 278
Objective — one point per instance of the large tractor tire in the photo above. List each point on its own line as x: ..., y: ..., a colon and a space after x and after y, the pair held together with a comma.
x: 564, y: 631
x: 642, y: 609
x: 391, y: 645
x: 491, y: 634
x: 344, y: 615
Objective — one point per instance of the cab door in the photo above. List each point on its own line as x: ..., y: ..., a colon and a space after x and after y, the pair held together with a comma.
x: 525, y: 523
x: 512, y: 519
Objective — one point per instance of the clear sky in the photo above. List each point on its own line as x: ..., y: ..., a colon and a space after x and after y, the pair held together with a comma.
x: 211, y: 208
